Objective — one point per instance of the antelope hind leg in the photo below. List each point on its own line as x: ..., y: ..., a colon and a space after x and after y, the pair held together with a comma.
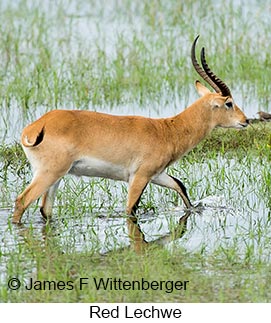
x: 40, y: 184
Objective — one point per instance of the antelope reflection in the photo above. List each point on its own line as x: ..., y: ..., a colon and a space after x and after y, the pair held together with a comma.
x: 137, y: 238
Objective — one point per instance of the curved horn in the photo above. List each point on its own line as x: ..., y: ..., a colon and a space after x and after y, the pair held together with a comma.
x: 199, y: 70
x: 225, y: 91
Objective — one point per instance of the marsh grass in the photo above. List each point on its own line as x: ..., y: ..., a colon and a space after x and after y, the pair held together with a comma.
x: 69, y: 248
x: 49, y: 61
x: 132, y: 57
x: 211, y: 279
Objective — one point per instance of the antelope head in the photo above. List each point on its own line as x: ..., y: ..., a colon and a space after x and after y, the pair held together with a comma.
x: 226, y: 113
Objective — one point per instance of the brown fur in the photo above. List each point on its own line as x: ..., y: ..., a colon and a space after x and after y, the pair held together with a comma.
x: 144, y: 147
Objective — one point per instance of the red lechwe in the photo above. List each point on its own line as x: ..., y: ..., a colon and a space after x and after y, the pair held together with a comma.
x: 133, y: 149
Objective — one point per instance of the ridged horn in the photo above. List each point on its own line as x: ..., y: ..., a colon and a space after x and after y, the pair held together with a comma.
x: 199, y: 69
x: 206, y: 73
x: 225, y: 91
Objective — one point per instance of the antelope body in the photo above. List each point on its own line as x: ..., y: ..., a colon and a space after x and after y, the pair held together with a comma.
x: 133, y: 149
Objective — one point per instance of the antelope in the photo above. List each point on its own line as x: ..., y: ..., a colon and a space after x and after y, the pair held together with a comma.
x: 133, y: 149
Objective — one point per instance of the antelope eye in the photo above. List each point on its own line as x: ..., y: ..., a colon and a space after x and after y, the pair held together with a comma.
x: 229, y: 105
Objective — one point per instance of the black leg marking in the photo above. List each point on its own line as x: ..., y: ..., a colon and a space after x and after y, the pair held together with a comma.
x: 184, y: 192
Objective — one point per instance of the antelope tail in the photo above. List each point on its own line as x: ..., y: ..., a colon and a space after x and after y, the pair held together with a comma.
x: 32, y: 138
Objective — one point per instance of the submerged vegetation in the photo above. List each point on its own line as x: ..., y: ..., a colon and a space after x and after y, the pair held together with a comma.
x: 133, y: 57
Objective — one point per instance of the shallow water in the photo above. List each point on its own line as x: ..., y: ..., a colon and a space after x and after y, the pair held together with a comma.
x: 234, y: 214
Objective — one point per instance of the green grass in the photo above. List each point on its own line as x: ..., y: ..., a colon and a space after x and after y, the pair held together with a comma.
x: 133, y: 57
x: 223, y: 269
x: 47, y: 60
x: 211, y: 279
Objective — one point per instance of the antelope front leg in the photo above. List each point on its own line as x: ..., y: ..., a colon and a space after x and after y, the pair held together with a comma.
x: 180, y: 188
x: 168, y: 181
x: 136, y: 187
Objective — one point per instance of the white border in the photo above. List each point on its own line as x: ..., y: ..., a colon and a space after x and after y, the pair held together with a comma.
x: 190, y: 313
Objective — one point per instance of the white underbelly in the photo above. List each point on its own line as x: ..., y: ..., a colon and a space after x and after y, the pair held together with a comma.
x: 93, y: 167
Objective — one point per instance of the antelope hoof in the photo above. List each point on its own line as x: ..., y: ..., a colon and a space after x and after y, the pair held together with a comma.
x: 16, y: 221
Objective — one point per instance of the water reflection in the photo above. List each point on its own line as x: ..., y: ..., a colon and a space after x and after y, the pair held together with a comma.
x: 137, y: 238
x: 137, y: 241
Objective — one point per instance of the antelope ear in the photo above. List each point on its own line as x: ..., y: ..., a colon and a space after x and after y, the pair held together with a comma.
x: 202, y: 90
